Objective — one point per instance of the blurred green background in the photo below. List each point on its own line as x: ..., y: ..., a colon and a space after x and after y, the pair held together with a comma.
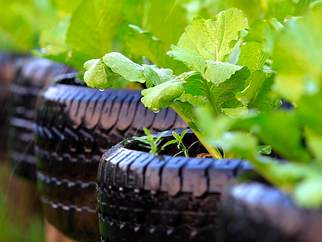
x: 15, y: 208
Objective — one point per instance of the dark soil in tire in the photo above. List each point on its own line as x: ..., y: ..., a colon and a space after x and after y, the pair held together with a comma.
x: 143, y: 197
x: 74, y: 126
x: 32, y: 75
x: 256, y: 212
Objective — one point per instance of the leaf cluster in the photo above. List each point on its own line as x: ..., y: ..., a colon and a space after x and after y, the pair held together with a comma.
x: 293, y: 134
x: 88, y: 29
x: 150, y: 142
x: 235, y: 76
x: 224, y: 73
x: 22, y: 21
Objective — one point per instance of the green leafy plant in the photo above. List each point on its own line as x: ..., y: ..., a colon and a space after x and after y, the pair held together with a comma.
x: 91, y: 28
x: 22, y: 21
x: 230, y: 76
x: 153, y: 143
x: 221, y: 66
x: 296, y: 134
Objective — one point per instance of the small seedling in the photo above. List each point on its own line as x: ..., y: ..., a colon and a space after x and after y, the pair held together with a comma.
x: 150, y: 142
x: 180, y: 144
x: 153, y: 143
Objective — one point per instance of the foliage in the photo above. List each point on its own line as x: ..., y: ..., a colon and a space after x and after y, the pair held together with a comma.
x: 180, y: 145
x: 229, y: 77
x: 235, y: 66
x: 150, y: 142
x: 294, y: 134
x: 10, y: 229
x: 206, y: 49
x: 91, y: 28
x: 22, y: 21
x: 256, y: 10
x: 153, y: 143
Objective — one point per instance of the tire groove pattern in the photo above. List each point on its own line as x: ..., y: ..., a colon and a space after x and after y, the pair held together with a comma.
x: 142, y: 197
x: 71, y: 133
x: 32, y: 75
x: 256, y: 211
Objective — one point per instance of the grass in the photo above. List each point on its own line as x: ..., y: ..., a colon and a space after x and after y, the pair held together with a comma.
x: 17, y: 224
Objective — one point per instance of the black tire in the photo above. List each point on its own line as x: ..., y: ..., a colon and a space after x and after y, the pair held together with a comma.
x: 74, y: 126
x: 143, y: 197
x: 7, y: 73
x: 256, y: 212
x: 32, y: 75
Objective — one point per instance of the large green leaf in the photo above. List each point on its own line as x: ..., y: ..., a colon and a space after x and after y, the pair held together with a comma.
x: 218, y: 72
x: 204, y: 8
x: 224, y: 95
x: 53, y: 41
x: 97, y: 73
x: 308, y: 193
x: 194, y: 91
x: 309, y: 111
x: 134, y: 11
x: 270, y: 32
x: 166, y: 20
x: 143, y: 43
x: 156, y: 76
x: 22, y: 21
x: 209, y: 39
x: 258, y: 93
x: 252, y: 56
x: 262, y: 9
x: 100, y: 73
x: 214, y: 130
x: 314, y: 143
x: 163, y: 95
x: 93, y: 27
x: 218, y: 95
x: 123, y: 66
x: 68, y: 6
x: 297, y: 56
x: 281, y: 130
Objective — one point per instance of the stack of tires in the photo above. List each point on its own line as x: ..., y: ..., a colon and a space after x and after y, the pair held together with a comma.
x: 8, y: 68
x: 31, y: 76
x: 147, y: 197
x: 74, y: 126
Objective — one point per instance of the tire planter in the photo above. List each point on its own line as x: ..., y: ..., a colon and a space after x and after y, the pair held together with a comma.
x: 257, y: 212
x: 32, y: 75
x: 7, y: 73
x: 144, y: 197
x: 74, y: 126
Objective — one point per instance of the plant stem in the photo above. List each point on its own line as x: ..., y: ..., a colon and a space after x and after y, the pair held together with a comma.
x: 212, y: 105
x: 211, y: 149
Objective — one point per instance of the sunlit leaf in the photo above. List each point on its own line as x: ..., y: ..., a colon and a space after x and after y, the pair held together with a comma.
x: 209, y: 39
x: 156, y: 76
x: 93, y: 27
x: 97, y: 73
x: 163, y: 95
x: 258, y: 93
x: 218, y: 72
x: 297, y: 55
x: 143, y: 43
x: 308, y: 194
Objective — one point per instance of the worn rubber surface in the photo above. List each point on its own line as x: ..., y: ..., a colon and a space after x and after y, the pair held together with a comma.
x: 74, y: 126
x: 254, y: 212
x: 7, y: 73
x: 32, y: 75
x: 143, y: 197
